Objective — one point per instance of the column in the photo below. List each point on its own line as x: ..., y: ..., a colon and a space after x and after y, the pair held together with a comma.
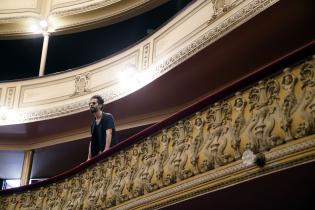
x: 27, y: 167
x: 44, y: 54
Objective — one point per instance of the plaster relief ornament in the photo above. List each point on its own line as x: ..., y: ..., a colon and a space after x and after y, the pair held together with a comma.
x: 222, y: 6
x: 197, y: 141
x: 219, y: 7
x: 59, y: 201
x: 51, y: 197
x: 120, y: 186
x: 94, y: 194
x: 238, y: 126
x: 162, y: 157
x: 87, y: 176
x: 307, y: 105
x: 181, y: 134
x: 289, y: 103
x: 155, y: 182
x: 82, y: 82
x: 107, y: 178
x: 63, y: 192
x: 39, y: 197
x: 143, y: 172
x: 146, y: 173
x: 76, y: 194
x: 262, y: 107
x: 133, y: 158
x: 13, y: 203
x: 115, y: 193
x: 4, y: 202
x: 218, y: 117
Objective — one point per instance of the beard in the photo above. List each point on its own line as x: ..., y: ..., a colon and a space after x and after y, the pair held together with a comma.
x: 93, y: 109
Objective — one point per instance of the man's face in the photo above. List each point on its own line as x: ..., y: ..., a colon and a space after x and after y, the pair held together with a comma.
x: 94, y: 106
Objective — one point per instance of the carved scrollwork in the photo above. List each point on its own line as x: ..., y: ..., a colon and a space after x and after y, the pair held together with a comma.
x: 262, y: 100
x: 238, y: 126
x: 12, y: 203
x: 218, y: 117
x: 219, y: 7
x: 82, y: 82
x: 307, y: 104
x: 163, y: 155
x: 289, y: 103
x: 197, y: 142
x: 176, y: 163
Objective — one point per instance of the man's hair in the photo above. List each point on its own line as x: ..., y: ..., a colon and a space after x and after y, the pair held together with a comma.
x: 99, y: 99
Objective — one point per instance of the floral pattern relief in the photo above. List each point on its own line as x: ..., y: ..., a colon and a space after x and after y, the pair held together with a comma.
x: 270, y: 113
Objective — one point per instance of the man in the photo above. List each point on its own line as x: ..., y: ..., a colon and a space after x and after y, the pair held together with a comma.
x: 102, y: 128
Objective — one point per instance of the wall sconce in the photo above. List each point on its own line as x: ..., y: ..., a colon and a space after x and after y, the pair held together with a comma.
x: 249, y: 158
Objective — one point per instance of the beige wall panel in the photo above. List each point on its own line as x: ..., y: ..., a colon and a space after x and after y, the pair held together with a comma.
x: 70, y: 5
x: 63, y: 4
x: 177, y: 33
x: 17, y: 4
x: 107, y: 75
x: 47, y: 92
x: 0, y: 96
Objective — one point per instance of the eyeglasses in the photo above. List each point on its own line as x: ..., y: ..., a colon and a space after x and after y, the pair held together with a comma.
x: 92, y: 103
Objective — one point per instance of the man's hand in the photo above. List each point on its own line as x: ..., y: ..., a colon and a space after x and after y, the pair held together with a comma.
x: 89, y: 154
x: 108, y: 139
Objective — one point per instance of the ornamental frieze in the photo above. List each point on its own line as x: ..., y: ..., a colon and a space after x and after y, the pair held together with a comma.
x: 274, y: 117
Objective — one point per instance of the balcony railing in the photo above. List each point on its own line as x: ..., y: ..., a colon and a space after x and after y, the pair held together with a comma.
x: 267, y: 117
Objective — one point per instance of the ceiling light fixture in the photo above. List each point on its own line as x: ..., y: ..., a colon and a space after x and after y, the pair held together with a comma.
x: 35, y: 29
x: 43, y: 24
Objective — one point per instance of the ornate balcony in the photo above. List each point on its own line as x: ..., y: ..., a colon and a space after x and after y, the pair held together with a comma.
x: 196, y: 150
x: 260, y: 124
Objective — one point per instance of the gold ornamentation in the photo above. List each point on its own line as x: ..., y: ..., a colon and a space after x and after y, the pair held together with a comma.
x: 262, y: 102
x: 289, y: 102
x: 238, y: 126
x: 306, y: 107
x: 274, y: 111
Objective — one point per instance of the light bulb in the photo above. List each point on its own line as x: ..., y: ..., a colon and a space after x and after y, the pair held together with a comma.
x: 43, y: 24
